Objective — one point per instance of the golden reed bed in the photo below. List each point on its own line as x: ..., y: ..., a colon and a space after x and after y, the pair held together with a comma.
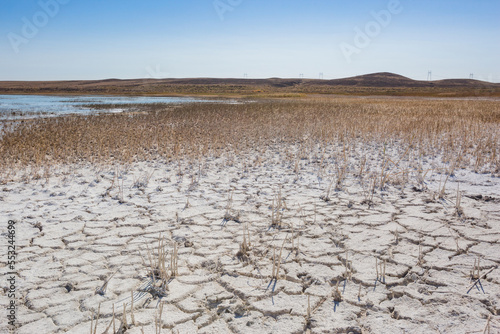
x: 464, y: 132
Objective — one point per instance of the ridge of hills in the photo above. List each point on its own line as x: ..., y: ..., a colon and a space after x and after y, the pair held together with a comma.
x: 382, y: 83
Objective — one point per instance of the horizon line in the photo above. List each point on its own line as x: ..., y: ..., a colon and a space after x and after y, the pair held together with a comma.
x: 254, y: 78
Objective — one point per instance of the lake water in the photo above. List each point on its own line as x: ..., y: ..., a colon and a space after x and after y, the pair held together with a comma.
x: 14, y: 107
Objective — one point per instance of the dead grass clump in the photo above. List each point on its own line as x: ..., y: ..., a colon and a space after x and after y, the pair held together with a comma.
x: 159, y: 272
x: 244, y: 252
x: 277, y: 210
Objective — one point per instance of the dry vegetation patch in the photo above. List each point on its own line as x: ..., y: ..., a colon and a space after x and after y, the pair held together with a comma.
x: 464, y: 133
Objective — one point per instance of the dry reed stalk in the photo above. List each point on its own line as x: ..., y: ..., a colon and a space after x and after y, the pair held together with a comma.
x: 92, y: 323
x: 278, y: 206
x: 109, y: 326
x: 476, y: 272
x: 174, y: 260
x: 102, y: 290
x: 275, y: 274
x: 243, y: 253
x: 368, y: 193
x: 326, y: 197
x: 94, y: 331
x: 308, y: 316
x: 124, y: 325
x: 347, y: 273
x: 158, y: 321
x: 383, y: 272
x: 420, y: 254
x: 362, y: 167
x: 442, y: 190
x: 132, y: 308
x: 337, y: 296
x: 458, y: 208
x: 487, y: 327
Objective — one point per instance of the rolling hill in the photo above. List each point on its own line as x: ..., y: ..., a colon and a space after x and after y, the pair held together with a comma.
x: 383, y: 83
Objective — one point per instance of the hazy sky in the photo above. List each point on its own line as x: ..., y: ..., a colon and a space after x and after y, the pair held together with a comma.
x: 98, y: 39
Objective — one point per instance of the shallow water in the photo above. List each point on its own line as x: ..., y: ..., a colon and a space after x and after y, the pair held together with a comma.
x: 14, y: 107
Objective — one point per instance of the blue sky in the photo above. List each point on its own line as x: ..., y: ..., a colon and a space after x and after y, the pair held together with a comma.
x: 98, y: 39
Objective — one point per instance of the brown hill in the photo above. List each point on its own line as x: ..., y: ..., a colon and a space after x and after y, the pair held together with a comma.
x: 370, y: 84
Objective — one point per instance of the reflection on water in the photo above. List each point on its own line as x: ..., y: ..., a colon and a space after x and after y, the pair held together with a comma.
x: 14, y: 107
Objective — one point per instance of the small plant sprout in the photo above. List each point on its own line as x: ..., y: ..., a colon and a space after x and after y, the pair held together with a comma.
x: 341, y: 169
x: 161, y: 259
x: 295, y: 245
x: 124, y: 325
x: 297, y: 252
x: 296, y: 167
x: 458, y: 209
x: 275, y: 273
x: 383, y: 272
x: 187, y: 204
x: 244, y: 253
x: 229, y: 205
x: 369, y: 192
x: 337, y: 296
x: 308, y: 308
x: 348, y: 266
x: 362, y: 165
x: 229, y: 215
x: 442, y: 190
x: 174, y: 260
x: 121, y: 198
x: 278, y: 207
x: 455, y: 237
x: 326, y: 197
x: 380, y: 269
x: 193, y: 181
x: 396, y: 236
x: 476, y: 271
x: 420, y: 259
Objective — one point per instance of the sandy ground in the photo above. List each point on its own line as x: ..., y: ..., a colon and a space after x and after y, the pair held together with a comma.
x: 84, y: 226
